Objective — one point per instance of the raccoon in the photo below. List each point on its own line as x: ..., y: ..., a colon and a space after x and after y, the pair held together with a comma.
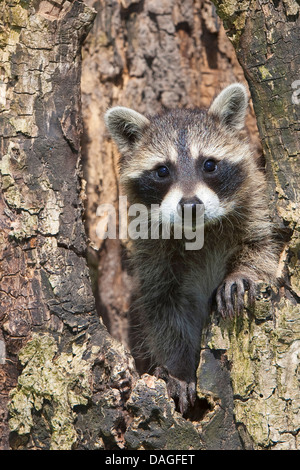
x: 185, y: 158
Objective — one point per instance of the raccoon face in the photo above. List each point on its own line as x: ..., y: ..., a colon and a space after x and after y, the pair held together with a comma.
x: 184, y: 158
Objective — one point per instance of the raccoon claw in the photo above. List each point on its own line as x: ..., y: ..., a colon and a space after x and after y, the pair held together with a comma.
x: 230, y: 295
x: 183, y: 392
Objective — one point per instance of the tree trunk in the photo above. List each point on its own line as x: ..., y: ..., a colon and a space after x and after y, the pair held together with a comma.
x: 265, y: 351
x: 65, y: 382
x: 148, y: 55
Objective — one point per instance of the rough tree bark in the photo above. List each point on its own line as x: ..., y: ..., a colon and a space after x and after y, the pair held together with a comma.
x: 65, y: 382
x: 72, y: 385
x: 265, y: 351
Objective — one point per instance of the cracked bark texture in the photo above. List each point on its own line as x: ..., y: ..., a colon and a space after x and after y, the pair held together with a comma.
x: 65, y: 382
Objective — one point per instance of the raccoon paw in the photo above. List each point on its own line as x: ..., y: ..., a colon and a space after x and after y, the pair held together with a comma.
x: 183, y: 392
x: 230, y: 296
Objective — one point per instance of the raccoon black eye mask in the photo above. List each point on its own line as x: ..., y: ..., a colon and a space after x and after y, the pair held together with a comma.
x: 193, y: 155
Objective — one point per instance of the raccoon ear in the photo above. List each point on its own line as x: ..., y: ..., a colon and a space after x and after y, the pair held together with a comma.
x: 230, y: 106
x: 126, y: 126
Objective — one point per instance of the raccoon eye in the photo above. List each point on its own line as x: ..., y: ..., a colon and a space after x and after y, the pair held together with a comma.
x: 210, y: 165
x: 162, y: 171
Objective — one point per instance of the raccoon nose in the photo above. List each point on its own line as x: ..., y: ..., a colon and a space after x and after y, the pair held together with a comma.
x: 188, y: 202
